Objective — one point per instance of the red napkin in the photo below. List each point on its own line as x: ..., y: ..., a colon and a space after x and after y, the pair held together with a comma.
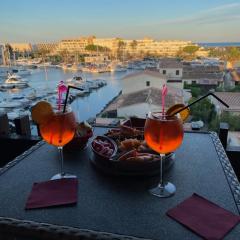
x: 53, y: 193
x: 204, y: 217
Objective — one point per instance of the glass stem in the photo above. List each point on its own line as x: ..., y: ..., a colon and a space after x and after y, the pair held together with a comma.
x: 60, y: 149
x: 161, y: 184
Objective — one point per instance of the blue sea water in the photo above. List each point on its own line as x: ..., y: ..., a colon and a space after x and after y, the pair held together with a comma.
x: 220, y: 44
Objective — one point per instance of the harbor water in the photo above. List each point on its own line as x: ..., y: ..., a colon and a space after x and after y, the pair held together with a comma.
x: 85, y: 107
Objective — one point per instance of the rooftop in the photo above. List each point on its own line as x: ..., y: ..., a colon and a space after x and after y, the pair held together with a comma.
x: 198, y: 75
x: 174, y: 96
x: 145, y: 72
x: 170, y: 63
x: 231, y: 98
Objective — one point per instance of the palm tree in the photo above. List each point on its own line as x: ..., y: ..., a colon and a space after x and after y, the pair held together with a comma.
x: 8, y: 53
x: 64, y: 54
x: 133, y: 45
x: 120, y: 50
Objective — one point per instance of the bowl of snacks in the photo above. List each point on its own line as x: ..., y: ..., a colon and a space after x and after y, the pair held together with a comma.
x: 104, y: 147
x: 130, y: 128
x: 129, y: 157
x: 81, y: 137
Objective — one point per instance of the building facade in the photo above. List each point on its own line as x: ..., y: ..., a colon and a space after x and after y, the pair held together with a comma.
x: 74, y: 45
x: 48, y: 47
x: 21, y: 47
x: 132, y: 47
x: 138, y: 81
x: 153, y: 47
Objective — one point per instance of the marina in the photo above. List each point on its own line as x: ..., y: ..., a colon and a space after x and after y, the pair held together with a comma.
x: 18, y: 94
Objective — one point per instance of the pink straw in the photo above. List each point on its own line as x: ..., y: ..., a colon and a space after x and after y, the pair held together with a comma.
x: 164, y: 93
x: 62, y: 88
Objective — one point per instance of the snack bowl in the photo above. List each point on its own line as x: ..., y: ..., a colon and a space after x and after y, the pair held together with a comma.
x: 132, y: 127
x: 78, y: 143
x: 81, y: 137
x: 125, y: 163
x: 104, y: 147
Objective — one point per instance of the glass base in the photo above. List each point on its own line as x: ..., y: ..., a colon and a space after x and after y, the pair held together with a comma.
x: 60, y: 176
x: 167, y: 190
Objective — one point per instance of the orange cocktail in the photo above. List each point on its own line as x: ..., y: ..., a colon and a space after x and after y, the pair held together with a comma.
x: 56, y: 127
x: 59, y: 129
x: 163, y: 134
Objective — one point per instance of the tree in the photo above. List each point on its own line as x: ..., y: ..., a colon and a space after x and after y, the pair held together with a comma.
x: 233, y: 54
x: 64, y: 54
x: 120, y: 49
x: 133, y: 45
x: 203, y: 110
x: 191, y: 50
x: 227, y: 53
x: 187, y: 52
x: 96, y: 48
x: 231, y: 119
x: 8, y: 53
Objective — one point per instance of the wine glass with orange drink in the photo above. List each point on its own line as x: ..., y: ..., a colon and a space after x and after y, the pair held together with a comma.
x: 56, y: 127
x: 163, y: 134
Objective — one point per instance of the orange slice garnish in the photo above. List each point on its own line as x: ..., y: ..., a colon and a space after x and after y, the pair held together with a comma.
x: 183, y: 114
x: 41, y: 112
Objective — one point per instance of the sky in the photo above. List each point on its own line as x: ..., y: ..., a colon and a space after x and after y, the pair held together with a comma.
x: 52, y: 20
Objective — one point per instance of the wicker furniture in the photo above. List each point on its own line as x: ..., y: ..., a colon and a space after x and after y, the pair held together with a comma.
x: 115, y: 207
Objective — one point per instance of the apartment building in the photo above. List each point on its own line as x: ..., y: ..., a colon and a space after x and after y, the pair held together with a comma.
x: 48, y: 47
x: 146, y: 45
x: 74, y: 45
x: 150, y: 46
x: 21, y: 47
x: 111, y: 43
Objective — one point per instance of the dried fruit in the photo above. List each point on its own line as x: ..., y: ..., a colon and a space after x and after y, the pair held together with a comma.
x: 183, y: 114
x: 42, y: 112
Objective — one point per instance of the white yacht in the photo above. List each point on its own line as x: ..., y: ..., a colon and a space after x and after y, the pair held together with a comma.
x: 14, y: 81
x: 75, y: 79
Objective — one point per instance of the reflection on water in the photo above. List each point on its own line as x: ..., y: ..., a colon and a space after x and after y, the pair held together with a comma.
x: 84, y: 107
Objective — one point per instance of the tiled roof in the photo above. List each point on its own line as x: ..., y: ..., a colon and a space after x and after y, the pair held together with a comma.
x: 174, y: 96
x: 170, y: 64
x: 231, y: 98
x: 146, y: 72
x: 197, y: 75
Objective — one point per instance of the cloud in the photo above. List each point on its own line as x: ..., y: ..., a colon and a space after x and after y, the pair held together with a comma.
x: 222, y: 13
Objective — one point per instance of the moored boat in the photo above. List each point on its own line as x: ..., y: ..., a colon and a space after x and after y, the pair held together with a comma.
x: 14, y: 81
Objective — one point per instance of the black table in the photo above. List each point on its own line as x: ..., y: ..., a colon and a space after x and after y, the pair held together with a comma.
x: 117, y: 205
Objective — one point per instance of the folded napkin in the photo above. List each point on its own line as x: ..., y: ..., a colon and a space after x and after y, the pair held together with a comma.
x: 204, y: 217
x: 53, y: 193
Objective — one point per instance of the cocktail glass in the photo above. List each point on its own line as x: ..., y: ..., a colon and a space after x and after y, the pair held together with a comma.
x: 59, y: 130
x: 163, y: 134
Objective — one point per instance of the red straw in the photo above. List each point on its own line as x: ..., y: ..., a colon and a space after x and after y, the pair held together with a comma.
x: 164, y: 93
x: 61, y: 89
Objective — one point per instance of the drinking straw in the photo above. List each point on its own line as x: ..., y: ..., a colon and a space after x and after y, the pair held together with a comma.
x: 164, y: 93
x: 220, y: 100
x: 62, y: 88
x: 66, y: 98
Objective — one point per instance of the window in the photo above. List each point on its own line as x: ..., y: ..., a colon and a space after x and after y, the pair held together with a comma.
x: 177, y: 72
x: 164, y: 72
x: 148, y: 83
